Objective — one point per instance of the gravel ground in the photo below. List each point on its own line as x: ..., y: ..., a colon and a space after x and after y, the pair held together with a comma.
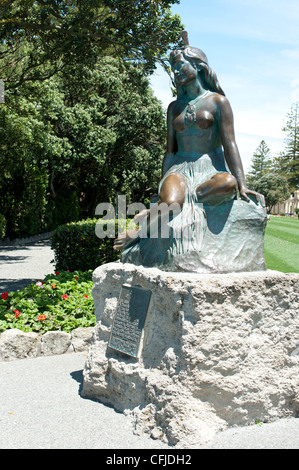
x: 41, y: 406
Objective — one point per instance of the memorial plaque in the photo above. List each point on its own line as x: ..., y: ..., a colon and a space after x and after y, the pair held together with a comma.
x: 129, y: 319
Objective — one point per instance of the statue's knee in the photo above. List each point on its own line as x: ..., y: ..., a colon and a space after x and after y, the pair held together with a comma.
x: 230, y: 183
x: 174, y: 199
x: 173, y: 190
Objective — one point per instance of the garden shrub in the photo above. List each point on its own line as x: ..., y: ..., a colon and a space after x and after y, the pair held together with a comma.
x: 77, y: 247
x: 62, y: 301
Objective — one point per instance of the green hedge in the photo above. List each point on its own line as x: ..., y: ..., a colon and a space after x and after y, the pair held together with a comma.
x: 77, y: 247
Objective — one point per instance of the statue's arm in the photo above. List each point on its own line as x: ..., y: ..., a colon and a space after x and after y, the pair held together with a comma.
x: 171, y: 140
x: 231, y: 150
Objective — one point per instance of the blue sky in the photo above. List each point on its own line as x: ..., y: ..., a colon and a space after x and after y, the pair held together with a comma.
x: 253, y: 46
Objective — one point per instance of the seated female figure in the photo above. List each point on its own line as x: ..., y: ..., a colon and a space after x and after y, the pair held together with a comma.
x: 202, y: 163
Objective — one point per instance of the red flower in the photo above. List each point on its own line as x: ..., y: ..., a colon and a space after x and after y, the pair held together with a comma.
x: 17, y: 313
x: 64, y: 296
x: 4, y: 295
x: 76, y: 277
x: 86, y: 296
x: 42, y: 317
x: 56, y: 272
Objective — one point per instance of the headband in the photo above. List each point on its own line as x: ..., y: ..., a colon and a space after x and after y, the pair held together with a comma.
x: 189, y: 51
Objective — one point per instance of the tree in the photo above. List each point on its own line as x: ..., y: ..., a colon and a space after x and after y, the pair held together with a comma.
x: 113, y: 131
x: 78, y: 138
x: 24, y: 178
x: 80, y: 123
x: 289, y: 159
x: 38, y: 38
x: 261, y: 163
x: 274, y: 187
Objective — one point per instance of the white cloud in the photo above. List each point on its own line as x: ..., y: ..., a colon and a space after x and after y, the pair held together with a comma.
x: 248, y: 143
x: 295, y: 92
x: 161, y: 84
x: 292, y: 54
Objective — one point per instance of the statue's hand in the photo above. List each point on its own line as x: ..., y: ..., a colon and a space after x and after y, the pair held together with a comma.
x: 259, y: 197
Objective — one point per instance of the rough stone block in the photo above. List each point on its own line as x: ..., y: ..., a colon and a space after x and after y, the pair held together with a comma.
x: 55, y: 342
x: 81, y: 338
x: 218, y: 350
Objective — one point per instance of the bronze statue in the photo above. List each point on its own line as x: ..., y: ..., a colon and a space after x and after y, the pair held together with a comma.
x: 202, y: 165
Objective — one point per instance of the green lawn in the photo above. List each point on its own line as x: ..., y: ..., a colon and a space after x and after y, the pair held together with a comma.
x: 282, y: 244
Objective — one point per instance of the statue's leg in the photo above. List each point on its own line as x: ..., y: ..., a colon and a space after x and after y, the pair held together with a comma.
x: 172, y: 192
x: 220, y: 188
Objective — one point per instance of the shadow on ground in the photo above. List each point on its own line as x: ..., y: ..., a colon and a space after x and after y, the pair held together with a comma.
x: 24, y: 264
x: 8, y: 285
x: 78, y: 376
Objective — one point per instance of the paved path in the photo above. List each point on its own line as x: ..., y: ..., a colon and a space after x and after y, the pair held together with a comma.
x: 24, y: 264
x: 40, y: 401
x: 41, y: 408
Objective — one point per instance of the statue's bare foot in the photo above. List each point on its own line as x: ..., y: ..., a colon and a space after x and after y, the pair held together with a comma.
x: 124, y: 238
x: 141, y: 215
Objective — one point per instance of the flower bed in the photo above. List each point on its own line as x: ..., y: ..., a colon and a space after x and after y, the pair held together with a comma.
x: 62, y: 301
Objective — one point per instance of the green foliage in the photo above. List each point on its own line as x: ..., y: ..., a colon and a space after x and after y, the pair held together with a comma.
x: 78, y: 139
x: 60, y: 302
x: 117, y: 136
x: 64, y: 208
x: 23, y: 181
x: 80, y: 123
x: 261, y: 163
x: 2, y: 226
x: 77, y: 247
x: 289, y: 159
x: 40, y: 38
x: 278, y: 176
x: 274, y: 187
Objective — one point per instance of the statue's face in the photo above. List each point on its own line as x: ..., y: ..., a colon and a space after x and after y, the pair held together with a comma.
x: 183, y: 70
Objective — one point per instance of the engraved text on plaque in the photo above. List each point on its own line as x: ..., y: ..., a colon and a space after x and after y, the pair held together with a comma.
x: 129, y: 319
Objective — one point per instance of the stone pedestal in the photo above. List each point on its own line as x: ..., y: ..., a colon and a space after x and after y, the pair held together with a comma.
x: 217, y: 350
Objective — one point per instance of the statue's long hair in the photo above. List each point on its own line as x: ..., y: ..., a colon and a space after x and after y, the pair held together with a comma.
x: 198, y: 59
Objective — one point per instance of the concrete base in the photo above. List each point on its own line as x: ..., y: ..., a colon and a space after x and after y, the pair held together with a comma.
x: 218, y: 350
